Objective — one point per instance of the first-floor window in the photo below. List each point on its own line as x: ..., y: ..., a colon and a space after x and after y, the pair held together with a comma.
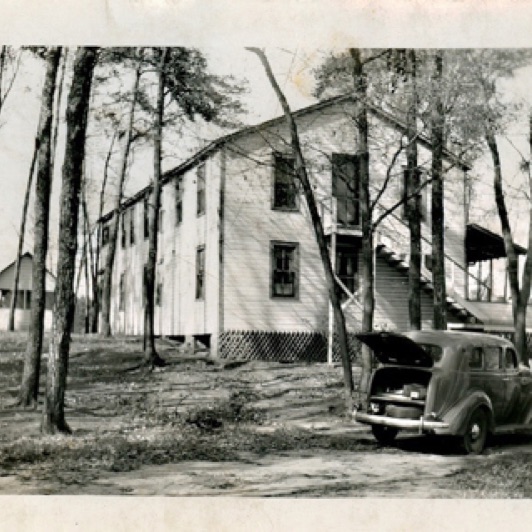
x: 123, y: 239
x: 145, y: 285
x: 347, y: 268
x: 105, y: 234
x: 178, y: 201
x: 284, y: 269
x: 146, y: 216
x: 5, y: 299
x: 122, y: 293
x: 132, y: 225
x: 200, y: 272
x: 159, y: 295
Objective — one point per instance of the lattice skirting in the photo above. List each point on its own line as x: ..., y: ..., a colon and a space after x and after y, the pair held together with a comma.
x: 281, y: 346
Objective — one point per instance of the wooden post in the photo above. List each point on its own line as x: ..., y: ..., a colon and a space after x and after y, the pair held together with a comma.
x: 334, y: 212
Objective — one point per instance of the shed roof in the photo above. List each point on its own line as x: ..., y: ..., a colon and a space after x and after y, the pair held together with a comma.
x: 483, y: 244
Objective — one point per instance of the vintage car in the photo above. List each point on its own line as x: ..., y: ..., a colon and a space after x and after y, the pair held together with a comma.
x: 463, y: 384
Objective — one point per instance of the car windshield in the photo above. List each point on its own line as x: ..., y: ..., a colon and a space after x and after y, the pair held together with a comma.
x: 434, y: 351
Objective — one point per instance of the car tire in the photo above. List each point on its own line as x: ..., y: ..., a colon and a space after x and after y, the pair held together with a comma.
x: 476, y: 433
x: 384, y: 435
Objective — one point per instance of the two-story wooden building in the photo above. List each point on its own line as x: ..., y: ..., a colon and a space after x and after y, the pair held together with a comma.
x: 238, y: 265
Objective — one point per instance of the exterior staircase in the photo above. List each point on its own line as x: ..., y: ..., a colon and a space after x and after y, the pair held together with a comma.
x: 398, y: 262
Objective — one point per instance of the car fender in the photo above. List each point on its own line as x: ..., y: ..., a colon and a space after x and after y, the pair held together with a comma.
x: 458, y: 416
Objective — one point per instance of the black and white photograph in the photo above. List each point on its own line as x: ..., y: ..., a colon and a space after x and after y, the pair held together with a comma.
x: 252, y: 270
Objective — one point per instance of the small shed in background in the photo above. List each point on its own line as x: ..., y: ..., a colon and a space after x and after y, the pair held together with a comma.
x: 24, y: 295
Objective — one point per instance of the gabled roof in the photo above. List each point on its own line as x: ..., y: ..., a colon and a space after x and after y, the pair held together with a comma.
x: 213, y: 146
x: 11, y: 264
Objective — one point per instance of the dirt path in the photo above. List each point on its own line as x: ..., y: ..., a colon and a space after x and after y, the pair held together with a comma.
x: 278, y: 431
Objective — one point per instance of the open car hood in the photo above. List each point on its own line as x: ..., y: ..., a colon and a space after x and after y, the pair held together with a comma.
x: 395, y: 348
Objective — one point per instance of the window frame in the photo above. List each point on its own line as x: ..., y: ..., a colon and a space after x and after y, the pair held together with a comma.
x: 132, y: 225
x: 146, y: 219
x: 487, y: 358
x: 106, y: 234
x: 423, y: 193
x: 160, y: 225
x: 158, y: 294
x: 279, y: 156
x: 339, y: 160
x: 122, y: 293
x: 178, y: 201
x: 296, y: 262
x: 200, y: 273
x: 123, y: 230
x: 515, y: 367
x: 349, y: 251
x: 201, y: 192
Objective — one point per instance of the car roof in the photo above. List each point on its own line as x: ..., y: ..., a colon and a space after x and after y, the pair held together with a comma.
x: 456, y: 337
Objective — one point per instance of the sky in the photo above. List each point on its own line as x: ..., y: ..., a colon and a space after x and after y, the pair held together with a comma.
x: 292, y: 67
x: 18, y: 123
x: 296, y: 37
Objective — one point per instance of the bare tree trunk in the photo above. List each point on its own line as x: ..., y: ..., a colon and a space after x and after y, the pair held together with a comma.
x: 14, y: 291
x: 3, y: 52
x: 58, y: 99
x: 105, y: 325
x: 437, y: 210
x: 367, y: 266
x: 89, y: 258
x: 22, y: 231
x: 5, y: 88
x: 301, y: 172
x: 519, y: 296
x: 413, y: 183
x: 96, y: 262
x: 29, y: 389
x: 151, y: 357
x: 76, y: 121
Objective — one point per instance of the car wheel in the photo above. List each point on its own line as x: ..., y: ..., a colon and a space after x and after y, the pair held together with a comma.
x: 476, y: 432
x: 384, y: 435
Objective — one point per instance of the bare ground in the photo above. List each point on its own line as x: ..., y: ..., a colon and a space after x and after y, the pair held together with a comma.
x: 205, y: 427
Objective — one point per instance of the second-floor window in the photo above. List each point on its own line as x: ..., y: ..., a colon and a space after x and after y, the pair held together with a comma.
x: 423, y: 194
x: 346, y: 188
x: 201, y: 189
x: 284, y: 185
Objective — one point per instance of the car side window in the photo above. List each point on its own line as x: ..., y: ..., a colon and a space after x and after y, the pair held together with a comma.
x: 475, y: 358
x: 510, y: 359
x: 492, y: 358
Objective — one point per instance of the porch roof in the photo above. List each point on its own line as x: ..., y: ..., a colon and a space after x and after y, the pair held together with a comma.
x: 483, y: 244
x: 494, y: 316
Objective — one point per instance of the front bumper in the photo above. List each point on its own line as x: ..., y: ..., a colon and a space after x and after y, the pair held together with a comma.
x: 420, y: 425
